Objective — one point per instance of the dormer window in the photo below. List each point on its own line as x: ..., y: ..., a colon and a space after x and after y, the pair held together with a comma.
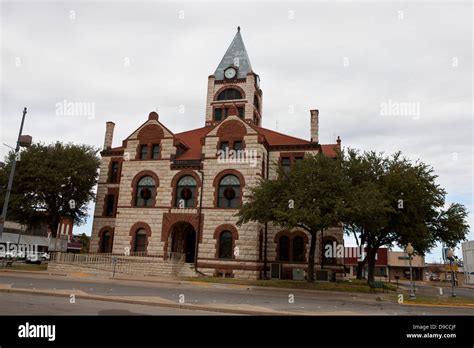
x: 144, y: 152
x: 156, y: 151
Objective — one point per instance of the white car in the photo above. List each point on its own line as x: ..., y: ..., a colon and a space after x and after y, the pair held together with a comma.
x: 33, y: 258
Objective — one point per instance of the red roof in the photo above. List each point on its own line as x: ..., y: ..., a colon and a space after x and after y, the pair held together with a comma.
x: 330, y: 150
x: 275, y: 138
x: 192, y: 139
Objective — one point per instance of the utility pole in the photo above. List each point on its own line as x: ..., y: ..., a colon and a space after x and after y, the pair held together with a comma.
x: 12, y: 173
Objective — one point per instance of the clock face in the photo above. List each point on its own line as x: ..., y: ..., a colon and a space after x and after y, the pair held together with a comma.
x: 230, y: 73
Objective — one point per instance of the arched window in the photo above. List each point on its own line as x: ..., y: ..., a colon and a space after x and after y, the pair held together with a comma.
x: 106, y: 242
x: 225, y: 245
x: 229, y: 192
x: 186, y: 192
x: 229, y: 94
x: 298, y: 249
x: 284, y: 248
x: 145, y: 188
x: 140, y: 241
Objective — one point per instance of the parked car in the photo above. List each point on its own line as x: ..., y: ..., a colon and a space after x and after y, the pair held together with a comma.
x: 45, y: 256
x: 434, y: 278
x: 33, y: 258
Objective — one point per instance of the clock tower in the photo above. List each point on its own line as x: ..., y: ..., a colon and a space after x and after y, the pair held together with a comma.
x: 234, y: 89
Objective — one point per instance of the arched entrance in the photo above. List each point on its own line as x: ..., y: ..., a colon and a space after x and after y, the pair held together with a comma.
x: 183, y: 240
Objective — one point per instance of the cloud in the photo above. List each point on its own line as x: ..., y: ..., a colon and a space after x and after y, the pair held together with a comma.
x: 346, y: 59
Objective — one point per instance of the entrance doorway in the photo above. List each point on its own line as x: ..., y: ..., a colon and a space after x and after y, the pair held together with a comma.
x: 183, y: 240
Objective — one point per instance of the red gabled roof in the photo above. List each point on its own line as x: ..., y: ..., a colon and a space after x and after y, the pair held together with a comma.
x: 275, y: 138
x: 192, y: 139
x: 330, y: 150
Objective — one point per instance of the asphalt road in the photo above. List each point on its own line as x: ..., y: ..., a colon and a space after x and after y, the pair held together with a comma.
x: 25, y: 304
x: 324, y: 303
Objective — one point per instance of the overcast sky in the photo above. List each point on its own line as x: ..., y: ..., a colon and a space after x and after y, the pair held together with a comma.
x: 357, y: 62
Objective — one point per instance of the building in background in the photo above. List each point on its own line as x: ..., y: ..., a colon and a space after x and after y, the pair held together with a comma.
x: 399, y: 266
x: 468, y: 261
x: 351, y: 257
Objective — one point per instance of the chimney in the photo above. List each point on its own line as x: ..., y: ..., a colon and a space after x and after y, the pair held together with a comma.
x: 109, y: 134
x: 314, y: 126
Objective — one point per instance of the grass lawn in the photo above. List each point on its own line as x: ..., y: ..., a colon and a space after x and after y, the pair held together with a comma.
x: 354, y: 286
x: 440, y: 300
x: 27, y: 267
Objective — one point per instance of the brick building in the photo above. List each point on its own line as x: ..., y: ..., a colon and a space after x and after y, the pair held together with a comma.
x: 151, y: 187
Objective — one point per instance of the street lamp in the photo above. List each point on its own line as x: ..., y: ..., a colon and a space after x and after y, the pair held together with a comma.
x: 409, y: 250
x: 451, y: 259
x: 22, y: 141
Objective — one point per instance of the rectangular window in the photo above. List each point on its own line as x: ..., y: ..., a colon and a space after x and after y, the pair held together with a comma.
x: 238, y: 145
x: 224, y: 145
x: 241, y: 111
x: 109, y: 210
x: 298, y: 159
x: 144, y: 152
x: 226, y: 112
x: 156, y: 151
x: 286, y: 164
x: 217, y: 114
x: 114, y: 171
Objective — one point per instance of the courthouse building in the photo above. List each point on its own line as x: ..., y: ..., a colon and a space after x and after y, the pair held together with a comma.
x: 175, y: 195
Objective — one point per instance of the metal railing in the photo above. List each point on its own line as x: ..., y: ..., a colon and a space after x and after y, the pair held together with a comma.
x: 135, y: 263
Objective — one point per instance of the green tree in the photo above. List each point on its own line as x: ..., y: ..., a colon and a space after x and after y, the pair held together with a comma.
x: 393, y: 201
x: 47, y: 179
x: 309, y: 197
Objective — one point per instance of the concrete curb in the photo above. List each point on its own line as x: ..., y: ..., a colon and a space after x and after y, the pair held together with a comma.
x: 443, y: 305
x: 31, y: 272
x: 155, y: 303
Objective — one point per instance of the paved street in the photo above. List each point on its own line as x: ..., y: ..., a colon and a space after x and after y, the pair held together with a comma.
x: 317, y: 302
x: 25, y: 304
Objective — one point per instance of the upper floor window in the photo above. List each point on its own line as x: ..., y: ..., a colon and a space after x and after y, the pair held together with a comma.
x: 285, y: 164
x: 144, y: 152
x: 238, y: 145
x: 114, y: 171
x: 241, y: 111
x: 218, y: 114
x: 229, y: 192
x: 224, y: 145
x: 110, y: 205
x: 229, y: 94
x: 256, y: 103
x: 145, y: 187
x: 186, y: 192
x: 155, y: 151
